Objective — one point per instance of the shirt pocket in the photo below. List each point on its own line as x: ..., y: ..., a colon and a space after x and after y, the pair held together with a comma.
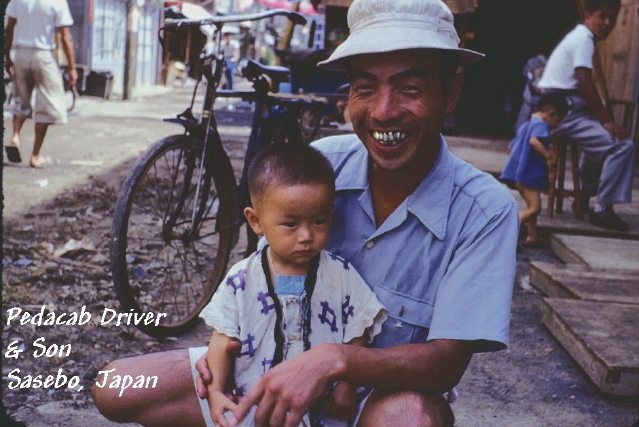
x: 408, y: 320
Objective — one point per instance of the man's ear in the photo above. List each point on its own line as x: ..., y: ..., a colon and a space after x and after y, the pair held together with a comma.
x: 454, y: 92
x: 253, y: 220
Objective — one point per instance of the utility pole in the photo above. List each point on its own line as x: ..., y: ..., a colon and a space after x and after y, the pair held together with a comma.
x: 131, y: 47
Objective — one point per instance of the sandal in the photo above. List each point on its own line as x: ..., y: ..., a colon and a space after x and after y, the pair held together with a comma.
x: 13, y: 154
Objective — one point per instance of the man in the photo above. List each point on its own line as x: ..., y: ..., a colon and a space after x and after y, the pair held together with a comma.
x: 31, y: 29
x: 432, y: 236
x: 607, y: 155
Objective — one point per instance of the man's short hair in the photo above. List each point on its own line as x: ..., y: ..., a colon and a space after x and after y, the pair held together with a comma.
x: 288, y: 165
x: 595, y: 5
x: 554, y: 101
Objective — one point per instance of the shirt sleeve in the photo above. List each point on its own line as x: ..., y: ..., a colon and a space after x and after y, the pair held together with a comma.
x: 473, y: 300
x: 583, y: 53
x: 540, y: 129
x: 222, y: 312
x: 63, y: 16
x: 362, y: 313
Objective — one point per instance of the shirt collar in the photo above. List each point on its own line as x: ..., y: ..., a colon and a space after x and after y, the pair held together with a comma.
x: 429, y: 203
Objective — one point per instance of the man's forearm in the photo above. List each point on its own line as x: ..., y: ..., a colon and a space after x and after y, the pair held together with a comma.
x: 433, y: 367
x: 67, y: 47
x: 589, y: 93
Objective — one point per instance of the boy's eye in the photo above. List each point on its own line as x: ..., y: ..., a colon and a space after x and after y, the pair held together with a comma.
x: 320, y: 222
x: 289, y: 224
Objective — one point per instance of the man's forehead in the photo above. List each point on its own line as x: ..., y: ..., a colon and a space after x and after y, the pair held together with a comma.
x: 394, y: 62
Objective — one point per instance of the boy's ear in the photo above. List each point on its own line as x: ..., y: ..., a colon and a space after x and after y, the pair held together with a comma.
x: 253, y: 220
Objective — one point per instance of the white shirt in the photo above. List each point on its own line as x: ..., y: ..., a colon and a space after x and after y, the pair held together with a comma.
x: 38, y: 21
x: 574, y: 51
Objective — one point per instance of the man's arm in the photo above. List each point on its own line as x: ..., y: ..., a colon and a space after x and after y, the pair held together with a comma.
x: 8, y: 41
x: 67, y: 47
x: 285, y: 393
x: 589, y: 93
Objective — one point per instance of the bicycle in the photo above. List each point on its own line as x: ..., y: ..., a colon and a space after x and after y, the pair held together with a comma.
x: 179, y: 213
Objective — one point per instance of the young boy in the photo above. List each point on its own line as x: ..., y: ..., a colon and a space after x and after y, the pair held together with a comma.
x: 530, y: 157
x: 292, y: 294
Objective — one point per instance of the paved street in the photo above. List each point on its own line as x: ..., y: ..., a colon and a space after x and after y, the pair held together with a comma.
x: 533, y: 383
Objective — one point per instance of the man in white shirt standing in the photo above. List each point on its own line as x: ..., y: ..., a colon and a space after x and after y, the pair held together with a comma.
x: 31, y: 28
x: 607, y: 153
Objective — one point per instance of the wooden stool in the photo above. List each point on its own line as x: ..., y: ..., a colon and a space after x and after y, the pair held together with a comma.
x: 556, y: 193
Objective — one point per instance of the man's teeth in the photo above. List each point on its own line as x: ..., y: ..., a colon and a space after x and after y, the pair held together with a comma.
x: 389, y: 138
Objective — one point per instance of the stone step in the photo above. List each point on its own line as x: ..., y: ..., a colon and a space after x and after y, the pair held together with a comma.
x: 601, y: 337
x: 599, y: 252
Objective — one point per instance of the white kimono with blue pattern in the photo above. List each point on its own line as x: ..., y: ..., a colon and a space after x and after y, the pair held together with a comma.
x: 342, y: 307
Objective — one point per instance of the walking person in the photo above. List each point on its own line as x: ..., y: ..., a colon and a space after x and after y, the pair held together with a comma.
x: 31, y: 29
x: 433, y: 237
x: 608, y: 154
x: 231, y: 48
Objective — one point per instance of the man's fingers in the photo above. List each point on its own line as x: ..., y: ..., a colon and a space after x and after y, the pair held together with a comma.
x: 294, y: 418
x: 201, y: 389
x: 248, y: 401
x: 202, y: 367
x: 234, y: 347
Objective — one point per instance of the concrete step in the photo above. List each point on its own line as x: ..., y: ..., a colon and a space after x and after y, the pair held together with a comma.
x: 601, y: 337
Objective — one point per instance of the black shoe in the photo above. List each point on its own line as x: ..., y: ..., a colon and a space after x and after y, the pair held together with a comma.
x: 608, y: 219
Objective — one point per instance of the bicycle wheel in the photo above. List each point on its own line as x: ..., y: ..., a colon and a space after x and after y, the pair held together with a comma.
x: 171, y: 240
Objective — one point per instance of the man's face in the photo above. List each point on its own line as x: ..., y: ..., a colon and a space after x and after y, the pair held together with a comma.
x: 601, y: 22
x: 397, y: 105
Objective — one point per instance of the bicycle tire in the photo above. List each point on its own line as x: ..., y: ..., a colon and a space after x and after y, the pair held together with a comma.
x: 157, y: 265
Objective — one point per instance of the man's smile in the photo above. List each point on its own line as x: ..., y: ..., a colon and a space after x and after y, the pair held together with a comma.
x: 389, y: 139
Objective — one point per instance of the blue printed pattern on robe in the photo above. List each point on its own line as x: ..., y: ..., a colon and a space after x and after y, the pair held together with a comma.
x: 264, y: 298
x: 345, y: 263
x: 347, y: 310
x: 328, y: 316
x: 248, y: 342
x: 237, y: 281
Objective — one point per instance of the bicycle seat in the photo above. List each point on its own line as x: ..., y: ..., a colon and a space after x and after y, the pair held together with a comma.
x: 252, y: 70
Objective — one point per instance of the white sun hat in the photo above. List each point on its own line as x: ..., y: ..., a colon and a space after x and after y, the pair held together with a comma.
x: 378, y: 26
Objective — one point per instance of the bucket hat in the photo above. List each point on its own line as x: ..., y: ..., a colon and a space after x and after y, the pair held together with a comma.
x: 378, y: 26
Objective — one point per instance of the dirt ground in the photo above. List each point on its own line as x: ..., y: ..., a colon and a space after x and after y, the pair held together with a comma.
x: 533, y: 383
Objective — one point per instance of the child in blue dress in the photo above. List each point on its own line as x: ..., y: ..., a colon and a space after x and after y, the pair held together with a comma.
x: 529, y: 160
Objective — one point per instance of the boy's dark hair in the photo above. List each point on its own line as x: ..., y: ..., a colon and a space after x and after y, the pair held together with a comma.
x: 595, y: 5
x: 288, y: 164
x: 555, y: 101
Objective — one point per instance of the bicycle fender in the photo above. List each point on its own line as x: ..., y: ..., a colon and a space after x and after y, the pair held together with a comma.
x: 192, y: 128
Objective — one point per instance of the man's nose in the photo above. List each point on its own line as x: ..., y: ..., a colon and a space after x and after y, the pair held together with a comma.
x: 385, y: 106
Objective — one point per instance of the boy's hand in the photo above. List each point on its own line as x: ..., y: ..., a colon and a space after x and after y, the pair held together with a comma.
x: 220, y: 404
x: 552, y: 163
x: 205, y: 378
x: 342, y: 402
x: 614, y: 130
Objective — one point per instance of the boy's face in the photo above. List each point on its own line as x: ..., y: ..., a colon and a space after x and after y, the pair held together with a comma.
x: 601, y: 21
x: 295, y: 220
x: 552, y: 117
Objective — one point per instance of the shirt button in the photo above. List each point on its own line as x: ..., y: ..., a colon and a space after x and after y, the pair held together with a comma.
x: 370, y: 244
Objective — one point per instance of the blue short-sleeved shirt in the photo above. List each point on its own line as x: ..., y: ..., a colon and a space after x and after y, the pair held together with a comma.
x: 524, y: 164
x: 443, y: 263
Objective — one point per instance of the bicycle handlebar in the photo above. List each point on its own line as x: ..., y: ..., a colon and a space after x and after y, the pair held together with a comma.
x: 219, y: 21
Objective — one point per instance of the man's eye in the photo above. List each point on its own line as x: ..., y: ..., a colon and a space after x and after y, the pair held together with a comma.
x: 411, y: 88
x: 363, y: 87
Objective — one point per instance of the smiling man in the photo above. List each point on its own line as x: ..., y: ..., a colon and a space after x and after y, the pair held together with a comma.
x: 433, y: 237
x: 607, y: 152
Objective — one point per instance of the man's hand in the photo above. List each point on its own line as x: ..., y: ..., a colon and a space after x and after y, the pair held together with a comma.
x: 234, y: 348
x: 289, y: 390
x: 8, y: 64
x: 73, y: 76
x: 614, y: 130
x: 342, y: 402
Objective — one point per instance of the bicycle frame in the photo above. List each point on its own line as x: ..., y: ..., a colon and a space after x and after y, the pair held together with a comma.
x: 271, y: 112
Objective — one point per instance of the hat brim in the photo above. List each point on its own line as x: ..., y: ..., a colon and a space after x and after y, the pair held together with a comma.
x: 367, y: 42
